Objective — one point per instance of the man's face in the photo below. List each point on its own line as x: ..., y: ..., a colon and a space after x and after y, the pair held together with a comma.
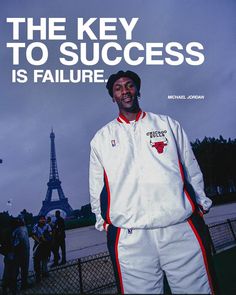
x: 125, y: 94
x: 42, y: 220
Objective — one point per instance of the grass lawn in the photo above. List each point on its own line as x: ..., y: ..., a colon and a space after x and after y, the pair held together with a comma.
x: 225, y: 264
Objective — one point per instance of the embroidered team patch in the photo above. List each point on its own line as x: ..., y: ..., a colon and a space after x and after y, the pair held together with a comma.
x: 158, y: 140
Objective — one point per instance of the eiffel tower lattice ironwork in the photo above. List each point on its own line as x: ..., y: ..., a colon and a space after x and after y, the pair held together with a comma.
x: 54, y: 184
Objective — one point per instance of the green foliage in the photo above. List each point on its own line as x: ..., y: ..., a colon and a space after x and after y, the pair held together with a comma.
x: 225, y: 270
x: 217, y: 159
x: 81, y: 222
x: 28, y: 217
x: 4, y: 221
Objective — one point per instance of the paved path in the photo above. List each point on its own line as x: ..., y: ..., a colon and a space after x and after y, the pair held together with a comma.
x: 221, y: 213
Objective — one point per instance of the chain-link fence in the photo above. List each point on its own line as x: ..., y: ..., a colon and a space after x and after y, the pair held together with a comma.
x: 94, y: 274
x: 91, y: 274
x: 223, y: 234
x: 61, y: 280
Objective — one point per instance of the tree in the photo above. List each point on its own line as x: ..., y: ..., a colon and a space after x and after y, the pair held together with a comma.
x: 217, y: 159
x: 28, y: 217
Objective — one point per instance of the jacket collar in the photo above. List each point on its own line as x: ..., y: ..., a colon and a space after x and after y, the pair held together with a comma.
x: 123, y: 119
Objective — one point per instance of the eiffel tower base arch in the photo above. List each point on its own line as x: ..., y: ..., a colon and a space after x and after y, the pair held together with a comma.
x: 56, y: 205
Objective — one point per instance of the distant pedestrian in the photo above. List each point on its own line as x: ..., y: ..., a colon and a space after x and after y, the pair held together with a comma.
x: 49, y: 221
x: 21, y: 249
x: 41, y: 234
x: 50, y: 237
x: 6, y: 249
x: 59, y: 239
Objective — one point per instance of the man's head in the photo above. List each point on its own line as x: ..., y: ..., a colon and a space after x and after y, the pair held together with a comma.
x: 57, y: 213
x: 15, y: 222
x: 21, y: 220
x: 42, y: 220
x: 124, y: 88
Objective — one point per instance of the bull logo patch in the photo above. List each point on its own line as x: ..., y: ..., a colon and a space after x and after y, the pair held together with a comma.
x: 158, y: 140
x: 159, y: 146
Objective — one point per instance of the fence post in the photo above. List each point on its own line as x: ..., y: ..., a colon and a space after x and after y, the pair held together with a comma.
x: 231, y: 228
x: 80, y: 277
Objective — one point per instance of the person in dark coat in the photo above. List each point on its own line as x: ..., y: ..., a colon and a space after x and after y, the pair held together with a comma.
x: 21, y: 248
x: 59, y: 239
x: 6, y: 249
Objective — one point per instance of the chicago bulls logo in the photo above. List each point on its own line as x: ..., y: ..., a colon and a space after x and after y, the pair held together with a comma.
x: 159, y: 146
x: 158, y: 140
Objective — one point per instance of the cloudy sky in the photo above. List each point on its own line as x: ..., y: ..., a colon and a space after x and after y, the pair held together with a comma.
x: 76, y: 111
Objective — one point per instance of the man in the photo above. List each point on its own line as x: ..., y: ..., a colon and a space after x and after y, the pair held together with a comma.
x: 59, y: 239
x: 50, y: 223
x: 21, y: 248
x: 41, y: 234
x: 147, y: 192
x: 6, y: 248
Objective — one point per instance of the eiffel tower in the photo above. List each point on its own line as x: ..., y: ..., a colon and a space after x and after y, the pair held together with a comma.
x: 55, y: 184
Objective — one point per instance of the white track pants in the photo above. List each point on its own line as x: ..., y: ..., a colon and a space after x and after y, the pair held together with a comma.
x: 141, y: 256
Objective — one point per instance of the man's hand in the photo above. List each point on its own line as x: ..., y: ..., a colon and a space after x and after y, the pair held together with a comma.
x: 105, y: 226
x: 201, y: 210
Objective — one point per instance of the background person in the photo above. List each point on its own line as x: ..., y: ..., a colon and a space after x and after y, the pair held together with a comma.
x: 41, y: 234
x: 50, y: 237
x: 6, y: 249
x: 59, y: 239
x: 21, y: 248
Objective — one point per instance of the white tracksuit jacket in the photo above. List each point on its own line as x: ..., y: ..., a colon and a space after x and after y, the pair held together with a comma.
x: 144, y: 174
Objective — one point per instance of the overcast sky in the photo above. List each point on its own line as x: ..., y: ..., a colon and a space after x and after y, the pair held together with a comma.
x: 76, y: 111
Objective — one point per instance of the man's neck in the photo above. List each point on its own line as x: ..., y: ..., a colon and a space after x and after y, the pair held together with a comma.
x: 130, y: 116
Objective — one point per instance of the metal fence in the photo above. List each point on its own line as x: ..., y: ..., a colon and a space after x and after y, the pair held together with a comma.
x: 91, y: 274
x: 223, y: 235
x: 94, y: 274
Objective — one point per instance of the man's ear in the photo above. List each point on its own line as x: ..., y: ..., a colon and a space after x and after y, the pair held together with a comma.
x: 138, y: 95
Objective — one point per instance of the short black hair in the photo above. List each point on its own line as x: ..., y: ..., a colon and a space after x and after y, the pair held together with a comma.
x: 132, y: 75
x: 42, y: 216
